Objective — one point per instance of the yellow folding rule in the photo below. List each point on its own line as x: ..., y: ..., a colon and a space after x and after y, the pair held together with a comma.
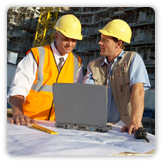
x: 40, y: 128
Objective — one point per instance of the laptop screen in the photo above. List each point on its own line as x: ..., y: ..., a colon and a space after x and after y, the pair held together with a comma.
x: 80, y: 104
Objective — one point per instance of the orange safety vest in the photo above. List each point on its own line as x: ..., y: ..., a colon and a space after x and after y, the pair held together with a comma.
x: 39, y: 101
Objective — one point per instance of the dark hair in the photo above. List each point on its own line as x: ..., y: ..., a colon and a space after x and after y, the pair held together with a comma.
x: 116, y: 40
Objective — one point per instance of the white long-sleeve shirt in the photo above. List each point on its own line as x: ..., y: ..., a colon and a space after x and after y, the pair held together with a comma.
x: 26, y: 71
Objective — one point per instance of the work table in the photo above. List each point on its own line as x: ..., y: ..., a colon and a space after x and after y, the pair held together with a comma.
x: 22, y: 140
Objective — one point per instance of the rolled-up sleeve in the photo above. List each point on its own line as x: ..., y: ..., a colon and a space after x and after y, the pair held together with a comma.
x: 24, y: 77
x: 138, y: 72
x: 88, y: 79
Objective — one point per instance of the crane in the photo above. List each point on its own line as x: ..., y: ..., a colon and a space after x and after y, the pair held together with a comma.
x: 45, y: 31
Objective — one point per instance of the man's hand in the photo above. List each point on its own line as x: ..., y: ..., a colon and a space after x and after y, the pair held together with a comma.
x: 137, y: 108
x: 17, y: 109
x: 21, y: 120
x: 129, y: 129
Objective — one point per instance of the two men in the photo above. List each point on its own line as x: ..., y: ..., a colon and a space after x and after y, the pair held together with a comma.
x: 123, y: 72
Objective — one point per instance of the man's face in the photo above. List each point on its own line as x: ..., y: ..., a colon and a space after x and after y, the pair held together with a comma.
x: 107, y: 45
x: 64, y: 44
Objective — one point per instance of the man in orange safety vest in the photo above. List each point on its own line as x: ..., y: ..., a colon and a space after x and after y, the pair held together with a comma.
x: 30, y: 94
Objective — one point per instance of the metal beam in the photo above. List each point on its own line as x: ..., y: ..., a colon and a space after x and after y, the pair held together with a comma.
x: 45, y: 31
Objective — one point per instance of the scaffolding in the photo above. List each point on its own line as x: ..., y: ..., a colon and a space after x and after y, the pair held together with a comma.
x: 45, y: 31
x: 21, y: 27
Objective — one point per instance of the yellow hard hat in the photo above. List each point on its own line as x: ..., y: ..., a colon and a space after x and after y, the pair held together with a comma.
x: 119, y: 29
x: 70, y: 26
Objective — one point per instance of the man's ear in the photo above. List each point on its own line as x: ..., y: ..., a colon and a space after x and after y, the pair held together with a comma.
x: 119, y: 43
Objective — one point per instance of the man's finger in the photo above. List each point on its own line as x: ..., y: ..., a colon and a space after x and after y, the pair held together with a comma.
x: 12, y: 121
x: 124, y: 128
x: 17, y: 121
x: 135, y: 129
x: 22, y: 121
x: 130, y: 130
x: 28, y: 120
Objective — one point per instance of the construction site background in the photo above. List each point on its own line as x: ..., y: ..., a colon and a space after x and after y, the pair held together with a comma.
x: 22, y: 26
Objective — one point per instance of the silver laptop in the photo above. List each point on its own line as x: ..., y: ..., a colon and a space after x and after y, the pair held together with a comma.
x: 81, y: 106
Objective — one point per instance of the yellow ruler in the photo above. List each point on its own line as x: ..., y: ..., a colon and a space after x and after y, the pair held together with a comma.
x: 40, y: 128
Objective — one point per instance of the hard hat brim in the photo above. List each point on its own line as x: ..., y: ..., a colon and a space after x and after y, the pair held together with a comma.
x: 73, y: 36
x: 70, y: 35
x: 104, y: 32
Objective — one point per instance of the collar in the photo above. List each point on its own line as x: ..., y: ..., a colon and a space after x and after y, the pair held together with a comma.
x: 115, y: 59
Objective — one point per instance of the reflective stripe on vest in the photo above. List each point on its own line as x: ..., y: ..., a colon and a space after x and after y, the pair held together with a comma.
x: 48, y: 88
x: 36, y: 87
x: 76, y: 65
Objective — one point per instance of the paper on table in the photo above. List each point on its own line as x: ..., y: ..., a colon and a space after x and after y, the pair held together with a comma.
x: 22, y: 140
x: 120, y: 123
